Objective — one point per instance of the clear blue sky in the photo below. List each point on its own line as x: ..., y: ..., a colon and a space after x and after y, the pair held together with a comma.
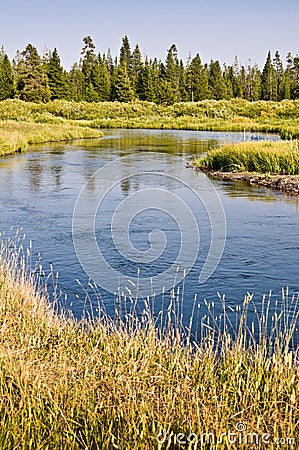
x: 214, y: 28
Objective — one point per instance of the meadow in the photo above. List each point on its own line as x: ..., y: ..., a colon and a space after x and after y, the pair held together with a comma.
x: 39, y: 119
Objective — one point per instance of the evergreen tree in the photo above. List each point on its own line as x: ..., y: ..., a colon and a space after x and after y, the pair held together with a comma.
x: 146, y: 82
x: 294, y: 78
x: 123, y: 87
x: 172, y: 71
x: 88, y: 69
x: 256, y: 79
x: 269, y: 81
x: 32, y: 80
x: 111, y: 66
x: 165, y: 93
x: 227, y: 82
x: 243, y: 82
x: 77, y: 83
x: 6, y: 77
x: 250, y: 81
x: 235, y: 78
x: 287, y: 76
x: 197, y: 80
x: 125, y: 53
x: 157, y: 68
x: 278, y: 66
x: 216, y: 81
x: 103, y: 84
x: 109, y: 62
x: 183, y: 93
x: 58, y: 78
x: 136, y: 68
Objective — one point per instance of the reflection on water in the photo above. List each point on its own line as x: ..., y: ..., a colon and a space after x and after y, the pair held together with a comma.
x: 235, y: 189
x: 38, y: 191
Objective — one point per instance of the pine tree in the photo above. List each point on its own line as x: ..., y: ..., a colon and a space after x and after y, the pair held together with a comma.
x: 183, y: 93
x: 287, y: 76
x: 294, y: 75
x: 77, y: 83
x: 125, y: 53
x: 172, y: 71
x: 58, y: 78
x: 165, y: 92
x: 89, y: 69
x: 156, y: 74
x: 250, y: 81
x: 109, y: 62
x: 197, y: 80
x: 235, y: 77
x: 216, y: 81
x: 136, y: 68
x: 6, y: 77
x: 123, y: 87
x: 32, y: 80
x: 100, y: 81
x: 269, y: 81
x: 227, y: 82
x: 256, y: 79
x: 111, y: 72
x: 146, y: 82
x: 278, y: 66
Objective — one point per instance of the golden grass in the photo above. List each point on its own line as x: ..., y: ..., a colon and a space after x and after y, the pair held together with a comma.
x: 97, y: 385
x: 56, y: 117
x: 15, y: 136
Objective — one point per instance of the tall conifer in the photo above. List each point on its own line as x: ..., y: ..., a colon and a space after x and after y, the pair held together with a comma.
x: 32, y: 80
x: 6, y: 77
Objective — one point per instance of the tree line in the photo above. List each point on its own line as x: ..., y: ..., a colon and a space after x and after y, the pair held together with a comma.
x: 100, y: 77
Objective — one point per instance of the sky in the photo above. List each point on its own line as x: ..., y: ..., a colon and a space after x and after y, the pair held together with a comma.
x: 213, y: 28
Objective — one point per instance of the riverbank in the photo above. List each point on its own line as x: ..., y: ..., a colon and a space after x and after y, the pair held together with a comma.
x: 16, y: 136
x: 207, y: 115
x: 265, y: 163
x: 284, y: 183
x: 96, y: 384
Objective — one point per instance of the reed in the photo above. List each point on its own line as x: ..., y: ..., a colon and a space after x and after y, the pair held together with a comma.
x: 127, y: 384
x: 16, y: 136
x: 263, y: 157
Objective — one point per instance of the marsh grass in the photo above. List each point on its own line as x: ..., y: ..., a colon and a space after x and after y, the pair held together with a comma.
x: 104, y: 384
x: 16, y: 136
x: 211, y: 115
x: 263, y: 156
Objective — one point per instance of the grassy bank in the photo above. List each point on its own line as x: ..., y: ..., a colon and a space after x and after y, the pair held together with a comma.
x: 95, y: 385
x: 21, y: 125
x: 225, y: 115
x: 16, y: 136
x: 263, y: 157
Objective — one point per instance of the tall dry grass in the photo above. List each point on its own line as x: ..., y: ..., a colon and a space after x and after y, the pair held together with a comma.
x: 16, y: 136
x: 130, y: 385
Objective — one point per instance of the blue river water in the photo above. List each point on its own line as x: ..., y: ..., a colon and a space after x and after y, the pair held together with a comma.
x: 39, y: 190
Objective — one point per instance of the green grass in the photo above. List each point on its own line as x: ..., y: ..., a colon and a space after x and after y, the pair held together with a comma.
x: 100, y: 385
x: 16, y: 136
x: 263, y: 157
x: 224, y: 115
x: 60, y: 119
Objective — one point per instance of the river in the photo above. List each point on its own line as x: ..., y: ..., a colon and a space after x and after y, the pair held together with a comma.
x: 39, y: 190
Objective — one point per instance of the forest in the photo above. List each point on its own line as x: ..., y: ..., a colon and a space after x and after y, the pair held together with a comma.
x: 130, y: 76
